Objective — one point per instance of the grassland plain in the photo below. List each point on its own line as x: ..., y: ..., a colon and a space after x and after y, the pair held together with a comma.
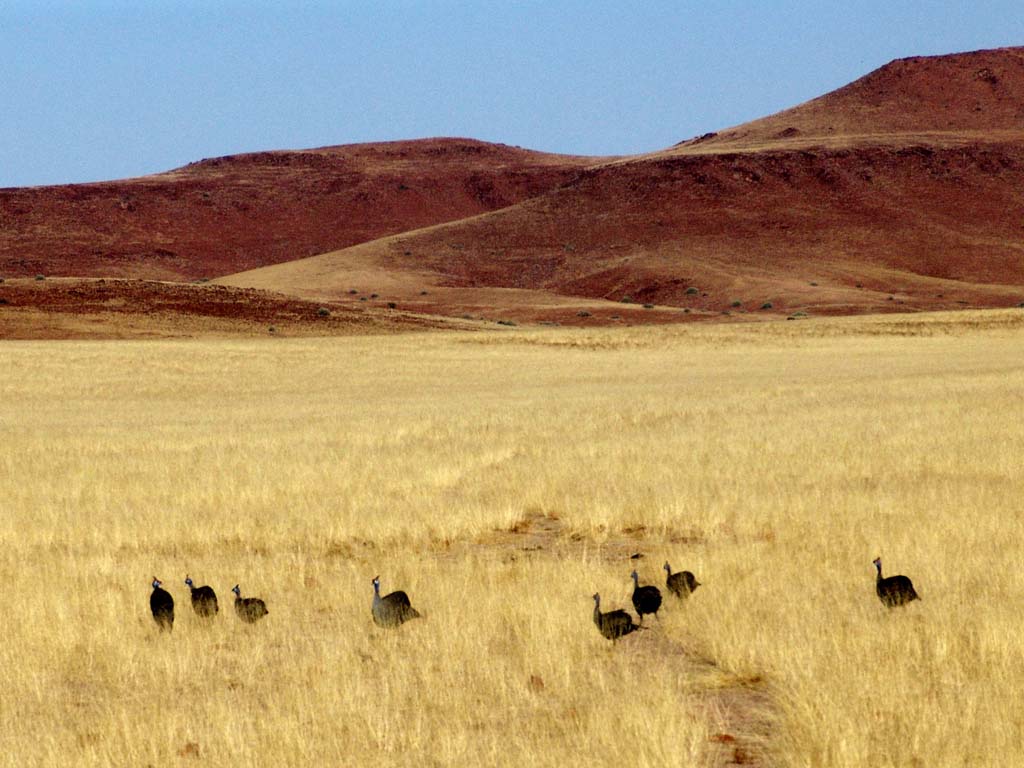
x: 501, y: 479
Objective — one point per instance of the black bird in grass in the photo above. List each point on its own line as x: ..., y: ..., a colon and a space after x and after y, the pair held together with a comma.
x: 893, y: 590
x: 204, y: 599
x: 393, y: 609
x: 249, y: 609
x: 680, y: 584
x: 614, y: 624
x: 645, y: 599
x: 162, y: 605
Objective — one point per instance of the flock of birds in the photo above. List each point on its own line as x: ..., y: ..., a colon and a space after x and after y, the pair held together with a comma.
x: 892, y: 591
x: 204, y: 603
x: 395, y: 608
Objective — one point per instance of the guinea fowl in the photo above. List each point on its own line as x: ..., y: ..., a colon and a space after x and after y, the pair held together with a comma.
x: 393, y: 609
x: 680, y: 584
x: 613, y: 624
x: 204, y: 599
x: 645, y: 599
x: 249, y: 609
x: 162, y: 605
x: 893, y: 590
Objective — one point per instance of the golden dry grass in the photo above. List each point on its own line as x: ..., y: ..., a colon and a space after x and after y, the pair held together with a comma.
x: 773, y: 460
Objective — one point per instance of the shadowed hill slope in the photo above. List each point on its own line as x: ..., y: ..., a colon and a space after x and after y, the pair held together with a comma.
x: 232, y: 213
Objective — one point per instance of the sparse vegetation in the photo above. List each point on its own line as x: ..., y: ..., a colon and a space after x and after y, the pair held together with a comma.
x: 691, y: 291
x: 583, y: 313
x: 766, y: 305
x: 352, y: 291
x: 40, y: 277
x: 648, y: 306
x: 737, y: 304
x: 323, y: 312
x: 505, y: 322
x: 627, y: 299
x: 392, y: 305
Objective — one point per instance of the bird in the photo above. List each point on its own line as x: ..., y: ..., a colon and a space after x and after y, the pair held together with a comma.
x: 204, y: 599
x: 393, y: 609
x: 893, y: 590
x: 645, y: 599
x: 680, y: 584
x: 249, y: 609
x: 614, y: 624
x: 162, y: 605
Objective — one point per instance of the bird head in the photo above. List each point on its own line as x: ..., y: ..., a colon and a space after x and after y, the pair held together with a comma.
x: 668, y: 568
x: 878, y: 563
x: 156, y: 582
x: 597, y: 598
x: 188, y: 581
x: 635, y: 576
x: 376, y: 583
x: 236, y: 590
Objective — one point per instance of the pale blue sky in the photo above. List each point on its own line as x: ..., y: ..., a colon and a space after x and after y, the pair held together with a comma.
x: 97, y: 90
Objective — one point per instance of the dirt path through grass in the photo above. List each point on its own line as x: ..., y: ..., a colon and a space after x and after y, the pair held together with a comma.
x: 740, y: 709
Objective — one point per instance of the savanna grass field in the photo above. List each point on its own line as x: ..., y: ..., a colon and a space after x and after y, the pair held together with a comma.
x: 501, y: 479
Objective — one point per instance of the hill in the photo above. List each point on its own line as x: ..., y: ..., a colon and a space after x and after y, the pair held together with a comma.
x: 908, y: 221
x: 900, y: 191
x: 954, y: 99
x: 227, y: 214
